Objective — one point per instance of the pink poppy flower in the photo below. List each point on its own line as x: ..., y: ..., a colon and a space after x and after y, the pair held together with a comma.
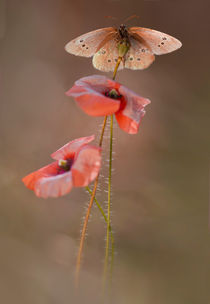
x: 99, y: 96
x: 76, y: 165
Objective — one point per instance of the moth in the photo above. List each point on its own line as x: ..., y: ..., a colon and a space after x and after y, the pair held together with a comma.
x: 103, y: 44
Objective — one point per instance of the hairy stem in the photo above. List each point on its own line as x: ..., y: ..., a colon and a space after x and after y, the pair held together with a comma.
x: 107, y: 219
x: 103, y: 214
x: 84, y: 228
x: 109, y: 201
x: 109, y: 196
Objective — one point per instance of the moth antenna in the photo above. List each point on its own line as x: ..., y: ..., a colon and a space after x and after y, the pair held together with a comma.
x: 130, y: 18
x: 111, y: 17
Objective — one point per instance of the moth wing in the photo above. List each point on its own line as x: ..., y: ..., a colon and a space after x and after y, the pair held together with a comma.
x: 138, y: 57
x: 86, y: 45
x: 158, y: 42
x: 106, y: 58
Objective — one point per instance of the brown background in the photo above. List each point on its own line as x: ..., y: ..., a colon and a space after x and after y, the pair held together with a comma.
x: 161, y: 178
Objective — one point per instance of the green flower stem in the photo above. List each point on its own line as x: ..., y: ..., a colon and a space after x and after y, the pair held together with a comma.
x: 109, y: 197
x: 116, y: 67
x: 85, y: 224
x: 109, y: 206
x: 103, y: 214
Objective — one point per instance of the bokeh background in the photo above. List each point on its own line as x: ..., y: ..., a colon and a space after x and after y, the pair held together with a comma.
x: 161, y: 177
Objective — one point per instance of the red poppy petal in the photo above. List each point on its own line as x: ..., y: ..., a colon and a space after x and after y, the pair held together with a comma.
x: 97, y: 82
x: 89, y: 94
x: 133, y: 97
x: 127, y: 124
x: 31, y: 179
x: 95, y: 105
x: 68, y: 150
x: 86, y: 166
x: 54, y: 186
x: 130, y: 116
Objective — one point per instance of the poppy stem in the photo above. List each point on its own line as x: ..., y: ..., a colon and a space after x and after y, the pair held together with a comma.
x: 109, y: 209
x: 109, y: 196
x: 84, y: 228
x: 116, y: 67
x: 103, y: 214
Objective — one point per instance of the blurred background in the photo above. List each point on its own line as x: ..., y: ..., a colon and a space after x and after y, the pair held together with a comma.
x: 161, y: 178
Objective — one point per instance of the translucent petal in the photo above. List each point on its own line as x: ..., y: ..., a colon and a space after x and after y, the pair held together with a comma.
x: 86, y: 166
x: 54, y: 186
x: 132, y: 111
x: 89, y: 92
x: 31, y: 179
x: 69, y: 150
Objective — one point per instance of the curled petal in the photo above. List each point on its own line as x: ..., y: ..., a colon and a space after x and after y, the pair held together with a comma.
x: 132, y: 111
x: 31, y: 179
x: 69, y: 150
x: 131, y: 97
x: 89, y: 92
x: 54, y: 186
x: 86, y: 166
x: 97, y: 82
x: 127, y: 124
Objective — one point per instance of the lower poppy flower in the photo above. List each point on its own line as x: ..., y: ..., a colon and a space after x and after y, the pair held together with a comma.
x: 76, y: 164
x: 100, y: 96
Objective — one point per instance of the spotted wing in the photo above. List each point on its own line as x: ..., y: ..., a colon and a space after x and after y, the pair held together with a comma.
x: 86, y: 45
x: 159, y: 43
x: 106, y: 58
x: 139, y: 57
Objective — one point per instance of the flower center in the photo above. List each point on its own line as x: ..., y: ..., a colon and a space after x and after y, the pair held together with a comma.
x: 65, y: 165
x: 113, y: 94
